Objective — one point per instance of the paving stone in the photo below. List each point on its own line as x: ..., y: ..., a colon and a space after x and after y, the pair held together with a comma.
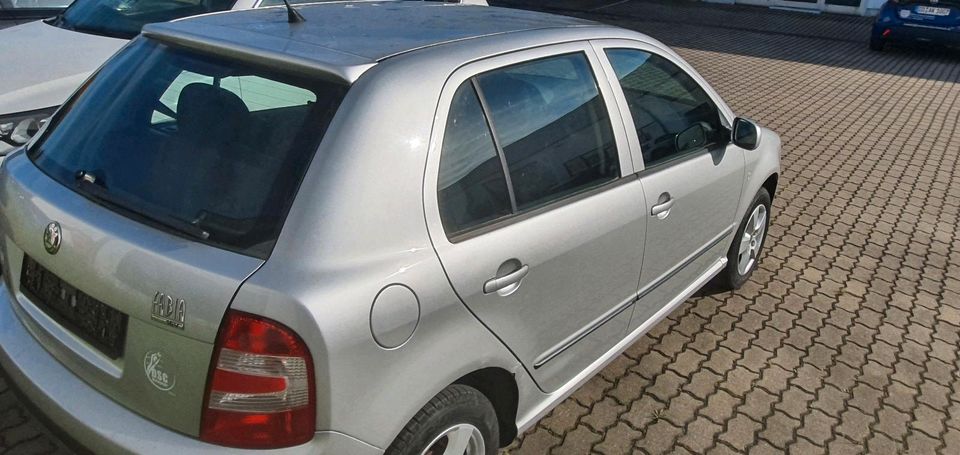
x: 578, y: 441
x: 741, y: 432
x: 604, y: 414
x: 779, y: 429
x: 928, y: 420
x: 921, y: 443
x: 703, y: 384
x: 660, y: 437
x: 564, y: 417
x: 720, y: 406
x: 795, y: 402
x: 892, y: 422
x: 537, y: 442
x: 682, y: 409
x: 699, y: 435
x: 618, y: 440
x: 880, y: 444
x: 805, y: 447
x: 855, y: 424
x: 818, y: 427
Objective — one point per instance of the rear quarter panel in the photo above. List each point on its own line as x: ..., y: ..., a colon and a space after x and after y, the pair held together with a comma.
x: 357, y: 226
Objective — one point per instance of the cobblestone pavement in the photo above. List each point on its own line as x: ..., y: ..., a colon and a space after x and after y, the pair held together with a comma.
x: 846, y: 339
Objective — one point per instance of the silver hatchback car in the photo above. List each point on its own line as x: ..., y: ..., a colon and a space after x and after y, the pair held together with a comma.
x: 408, y: 228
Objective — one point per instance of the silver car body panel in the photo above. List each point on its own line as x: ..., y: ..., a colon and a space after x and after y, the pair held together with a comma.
x: 564, y: 314
x: 333, y: 44
x: 122, y: 263
x: 365, y: 218
x: 101, y: 424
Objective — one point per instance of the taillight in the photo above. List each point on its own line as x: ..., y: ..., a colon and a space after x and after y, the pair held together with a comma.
x: 260, y: 393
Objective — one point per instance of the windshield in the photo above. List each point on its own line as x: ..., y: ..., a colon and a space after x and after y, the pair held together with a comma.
x: 125, y: 18
x: 206, y: 148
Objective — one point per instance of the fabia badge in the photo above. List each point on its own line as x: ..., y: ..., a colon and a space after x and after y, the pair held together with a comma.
x: 160, y: 370
x: 168, y: 310
x: 52, y: 236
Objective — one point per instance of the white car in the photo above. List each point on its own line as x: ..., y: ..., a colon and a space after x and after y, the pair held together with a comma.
x: 45, y: 61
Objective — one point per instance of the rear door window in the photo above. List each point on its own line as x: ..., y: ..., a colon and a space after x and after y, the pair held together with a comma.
x: 472, y: 188
x: 523, y: 136
x: 552, y: 126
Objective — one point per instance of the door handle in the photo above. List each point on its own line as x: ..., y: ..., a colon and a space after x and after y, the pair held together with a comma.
x: 506, y: 281
x: 662, y: 210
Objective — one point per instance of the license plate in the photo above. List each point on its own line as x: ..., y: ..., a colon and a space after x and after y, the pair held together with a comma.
x: 933, y: 11
x: 95, y: 322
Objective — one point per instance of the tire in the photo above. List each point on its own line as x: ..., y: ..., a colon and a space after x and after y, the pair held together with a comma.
x: 877, y: 44
x: 732, y: 277
x: 457, y: 405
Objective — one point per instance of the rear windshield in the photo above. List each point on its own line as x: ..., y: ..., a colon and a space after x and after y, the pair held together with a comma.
x: 203, y: 147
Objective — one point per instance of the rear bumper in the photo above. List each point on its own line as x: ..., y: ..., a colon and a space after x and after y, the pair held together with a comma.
x: 906, y: 33
x: 94, y: 421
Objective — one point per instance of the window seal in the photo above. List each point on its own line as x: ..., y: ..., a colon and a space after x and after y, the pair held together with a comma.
x: 681, y: 158
x: 508, y: 220
x: 478, y: 92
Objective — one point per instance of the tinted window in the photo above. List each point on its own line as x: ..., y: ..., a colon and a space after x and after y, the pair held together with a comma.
x: 220, y: 162
x: 552, y: 126
x: 472, y: 187
x: 667, y: 105
x: 124, y: 19
x: 257, y: 93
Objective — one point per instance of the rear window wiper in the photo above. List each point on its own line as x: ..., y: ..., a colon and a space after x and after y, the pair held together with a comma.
x: 89, y: 184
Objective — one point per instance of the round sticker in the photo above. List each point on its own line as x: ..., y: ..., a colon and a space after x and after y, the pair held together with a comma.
x: 160, y: 370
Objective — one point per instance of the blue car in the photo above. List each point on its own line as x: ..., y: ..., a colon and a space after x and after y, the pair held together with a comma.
x: 917, y: 21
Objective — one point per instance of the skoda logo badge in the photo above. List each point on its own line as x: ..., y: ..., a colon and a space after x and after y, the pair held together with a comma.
x: 52, y: 237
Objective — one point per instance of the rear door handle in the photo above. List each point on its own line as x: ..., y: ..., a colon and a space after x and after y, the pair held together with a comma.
x: 506, y: 281
x: 662, y: 210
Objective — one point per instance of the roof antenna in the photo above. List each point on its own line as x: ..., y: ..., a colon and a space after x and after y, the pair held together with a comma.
x: 293, y: 16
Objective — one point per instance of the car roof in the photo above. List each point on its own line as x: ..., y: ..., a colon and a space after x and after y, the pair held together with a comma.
x: 346, y: 38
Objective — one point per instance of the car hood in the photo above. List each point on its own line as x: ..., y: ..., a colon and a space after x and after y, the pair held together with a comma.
x: 45, y: 64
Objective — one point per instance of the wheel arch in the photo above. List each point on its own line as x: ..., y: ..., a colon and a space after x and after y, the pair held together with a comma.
x: 500, y: 387
x: 771, y: 184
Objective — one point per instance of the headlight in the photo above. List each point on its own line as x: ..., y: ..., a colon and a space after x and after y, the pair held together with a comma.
x: 17, y: 129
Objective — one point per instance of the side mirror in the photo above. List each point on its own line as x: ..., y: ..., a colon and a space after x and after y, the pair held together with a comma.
x: 691, y: 138
x: 746, y: 135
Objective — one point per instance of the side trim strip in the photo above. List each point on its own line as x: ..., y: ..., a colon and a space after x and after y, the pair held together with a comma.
x: 582, y: 333
x: 615, y: 311
x: 672, y: 272
x: 527, y: 420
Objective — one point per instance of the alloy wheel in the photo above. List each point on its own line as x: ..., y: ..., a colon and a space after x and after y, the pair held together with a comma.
x: 461, y: 439
x: 752, y: 239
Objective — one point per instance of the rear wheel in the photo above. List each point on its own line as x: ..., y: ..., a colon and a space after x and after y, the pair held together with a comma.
x: 744, y: 254
x: 458, y: 421
x: 877, y: 43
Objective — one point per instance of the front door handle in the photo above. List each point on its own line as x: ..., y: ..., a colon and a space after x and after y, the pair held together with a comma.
x: 507, y: 282
x: 662, y: 209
